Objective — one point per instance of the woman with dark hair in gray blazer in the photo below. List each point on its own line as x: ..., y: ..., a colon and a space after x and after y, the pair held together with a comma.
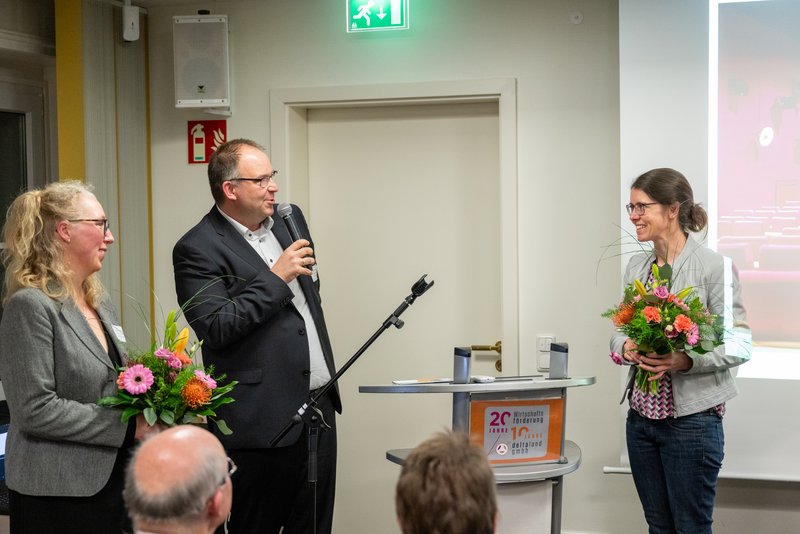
x: 674, y: 436
x: 60, y: 340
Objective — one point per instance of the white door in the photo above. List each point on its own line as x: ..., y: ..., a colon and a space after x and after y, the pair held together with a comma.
x: 396, y: 192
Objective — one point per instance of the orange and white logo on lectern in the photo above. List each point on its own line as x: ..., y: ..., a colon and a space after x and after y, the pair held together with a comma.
x: 518, y: 431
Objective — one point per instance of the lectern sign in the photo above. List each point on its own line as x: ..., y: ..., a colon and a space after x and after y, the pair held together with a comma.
x: 518, y: 431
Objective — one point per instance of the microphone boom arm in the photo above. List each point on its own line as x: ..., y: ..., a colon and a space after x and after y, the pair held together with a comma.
x: 308, y: 412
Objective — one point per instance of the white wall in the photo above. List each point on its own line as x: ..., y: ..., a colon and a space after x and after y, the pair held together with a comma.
x: 664, y: 122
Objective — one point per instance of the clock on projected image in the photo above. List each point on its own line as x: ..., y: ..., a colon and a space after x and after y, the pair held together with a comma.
x: 766, y: 136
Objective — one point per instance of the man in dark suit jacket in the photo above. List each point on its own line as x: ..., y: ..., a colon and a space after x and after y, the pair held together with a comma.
x: 252, y: 296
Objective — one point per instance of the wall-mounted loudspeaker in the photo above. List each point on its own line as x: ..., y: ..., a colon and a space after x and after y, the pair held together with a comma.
x: 200, y: 46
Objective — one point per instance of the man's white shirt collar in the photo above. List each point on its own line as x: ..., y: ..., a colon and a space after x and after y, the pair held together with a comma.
x: 266, y: 225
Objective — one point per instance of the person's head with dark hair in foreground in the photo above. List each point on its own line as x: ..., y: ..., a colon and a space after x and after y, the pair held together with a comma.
x: 446, y: 486
x: 179, y: 481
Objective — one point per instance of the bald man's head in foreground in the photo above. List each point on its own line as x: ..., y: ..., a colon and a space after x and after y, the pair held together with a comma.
x: 179, y: 481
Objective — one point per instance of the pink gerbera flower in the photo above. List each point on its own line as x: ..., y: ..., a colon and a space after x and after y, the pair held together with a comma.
x: 205, y: 379
x: 693, y: 336
x: 137, y: 379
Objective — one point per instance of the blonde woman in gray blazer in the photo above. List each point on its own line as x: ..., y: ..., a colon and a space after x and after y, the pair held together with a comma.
x: 60, y: 340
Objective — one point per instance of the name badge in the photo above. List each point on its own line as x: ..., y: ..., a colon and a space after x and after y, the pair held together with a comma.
x: 120, y: 335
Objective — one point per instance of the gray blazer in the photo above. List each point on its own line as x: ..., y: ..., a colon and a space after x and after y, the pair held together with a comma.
x: 716, y: 282
x: 53, y: 370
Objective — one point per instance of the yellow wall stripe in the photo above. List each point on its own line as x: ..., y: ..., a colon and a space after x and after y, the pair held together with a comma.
x: 150, y: 247
x: 69, y: 89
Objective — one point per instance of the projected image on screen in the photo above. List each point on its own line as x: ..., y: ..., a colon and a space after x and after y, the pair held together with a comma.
x: 759, y: 173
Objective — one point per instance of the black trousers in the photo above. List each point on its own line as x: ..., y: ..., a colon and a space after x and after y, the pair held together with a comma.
x: 271, y: 488
x: 102, y: 513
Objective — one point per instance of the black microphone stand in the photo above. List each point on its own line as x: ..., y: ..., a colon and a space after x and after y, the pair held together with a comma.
x: 311, y: 415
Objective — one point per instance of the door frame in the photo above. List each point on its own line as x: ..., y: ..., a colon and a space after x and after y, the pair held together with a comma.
x: 288, y: 117
x: 28, y: 100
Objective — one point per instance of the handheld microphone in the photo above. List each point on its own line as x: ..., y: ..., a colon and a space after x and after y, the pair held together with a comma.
x: 285, y: 211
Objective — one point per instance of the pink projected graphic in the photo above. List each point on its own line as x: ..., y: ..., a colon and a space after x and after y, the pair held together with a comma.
x: 759, y: 162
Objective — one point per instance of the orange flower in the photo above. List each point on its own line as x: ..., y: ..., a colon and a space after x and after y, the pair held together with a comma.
x: 652, y: 314
x: 196, y: 393
x: 120, y: 383
x: 624, y: 314
x: 683, y: 323
x: 185, y: 360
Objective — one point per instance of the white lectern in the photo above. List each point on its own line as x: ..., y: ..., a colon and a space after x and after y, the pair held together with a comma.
x: 520, y: 423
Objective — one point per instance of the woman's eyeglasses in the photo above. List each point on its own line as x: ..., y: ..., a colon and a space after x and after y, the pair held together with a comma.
x: 97, y: 222
x: 639, y: 207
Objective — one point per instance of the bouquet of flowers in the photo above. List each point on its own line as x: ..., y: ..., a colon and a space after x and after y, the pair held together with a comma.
x: 164, y: 384
x: 660, y: 321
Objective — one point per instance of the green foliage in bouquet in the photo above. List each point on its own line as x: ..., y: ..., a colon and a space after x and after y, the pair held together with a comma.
x: 164, y: 384
x: 660, y: 321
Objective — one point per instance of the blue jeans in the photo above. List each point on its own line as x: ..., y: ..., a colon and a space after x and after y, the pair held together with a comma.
x: 675, y: 463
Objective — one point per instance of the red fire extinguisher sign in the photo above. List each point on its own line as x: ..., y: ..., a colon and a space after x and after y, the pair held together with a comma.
x: 204, y: 138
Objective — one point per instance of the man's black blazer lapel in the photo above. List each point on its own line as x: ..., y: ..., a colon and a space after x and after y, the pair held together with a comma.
x: 234, y: 240
x: 310, y: 289
x: 281, y: 232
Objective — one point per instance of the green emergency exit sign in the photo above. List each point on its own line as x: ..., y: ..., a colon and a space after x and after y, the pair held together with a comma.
x: 376, y: 15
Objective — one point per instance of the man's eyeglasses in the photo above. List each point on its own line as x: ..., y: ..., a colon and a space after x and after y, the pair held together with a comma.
x: 639, y: 207
x: 262, y: 182
x: 97, y: 222
x: 231, y: 470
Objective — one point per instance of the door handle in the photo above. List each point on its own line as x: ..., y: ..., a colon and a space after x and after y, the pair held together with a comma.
x: 497, y: 347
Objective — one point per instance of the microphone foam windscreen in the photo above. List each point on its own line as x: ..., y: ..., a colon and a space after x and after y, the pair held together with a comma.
x: 284, y: 209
